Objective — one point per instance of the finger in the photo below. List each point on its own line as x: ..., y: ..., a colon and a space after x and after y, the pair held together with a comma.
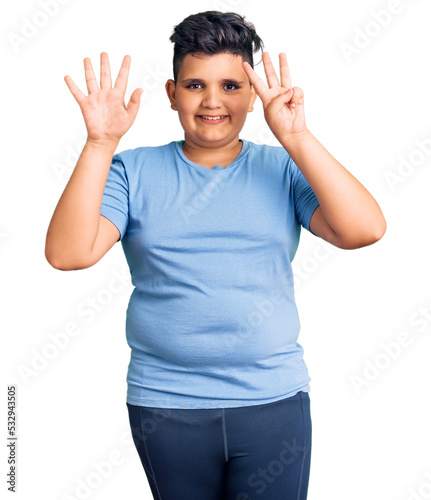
x: 257, y: 82
x: 297, y: 97
x: 134, y: 102
x: 123, y: 74
x: 271, y: 76
x: 285, y: 97
x: 77, y: 94
x: 286, y: 82
x: 105, y: 72
x: 89, y: 76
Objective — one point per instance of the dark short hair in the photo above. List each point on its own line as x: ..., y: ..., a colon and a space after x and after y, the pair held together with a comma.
x: 214, y: 32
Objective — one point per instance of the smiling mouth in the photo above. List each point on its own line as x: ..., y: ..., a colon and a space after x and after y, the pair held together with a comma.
x: 209, y: 118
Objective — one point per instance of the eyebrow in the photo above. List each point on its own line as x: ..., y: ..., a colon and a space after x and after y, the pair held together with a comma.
x: 225, y: 80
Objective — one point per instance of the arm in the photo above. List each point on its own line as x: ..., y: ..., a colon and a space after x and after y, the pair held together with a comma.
x: 74, y: 227
x: 348, y: 216
x: 78, y: 236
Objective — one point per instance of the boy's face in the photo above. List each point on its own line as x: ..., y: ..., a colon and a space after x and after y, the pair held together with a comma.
x: 212, y: 86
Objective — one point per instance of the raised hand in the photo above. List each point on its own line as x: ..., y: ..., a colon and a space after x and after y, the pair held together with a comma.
x: 283, y: 106
x: 105, y: 115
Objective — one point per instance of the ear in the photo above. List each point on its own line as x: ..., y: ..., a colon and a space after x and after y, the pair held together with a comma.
x: 252, y: 98
x: 170, y: 90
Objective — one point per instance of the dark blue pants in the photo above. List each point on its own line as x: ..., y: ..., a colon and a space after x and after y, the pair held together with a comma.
x: 246, y: 453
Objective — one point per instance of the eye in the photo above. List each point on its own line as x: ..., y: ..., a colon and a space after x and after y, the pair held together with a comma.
x: 233, y: 87
x: 228, y: 86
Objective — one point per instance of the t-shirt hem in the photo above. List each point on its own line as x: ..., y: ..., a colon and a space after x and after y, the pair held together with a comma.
x: 311, y: 209
x: 112, y: 216
x: 210, y: 403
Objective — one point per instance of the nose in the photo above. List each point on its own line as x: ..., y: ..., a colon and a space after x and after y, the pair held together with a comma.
x: 211, y: 98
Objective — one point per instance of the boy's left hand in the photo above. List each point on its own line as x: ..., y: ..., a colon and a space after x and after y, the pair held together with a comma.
x: 283, y: 106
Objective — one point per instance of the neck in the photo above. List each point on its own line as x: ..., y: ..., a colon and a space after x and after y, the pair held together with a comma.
x: 210, y: 156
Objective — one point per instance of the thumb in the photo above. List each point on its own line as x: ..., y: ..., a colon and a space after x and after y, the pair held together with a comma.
x: 134, y: 102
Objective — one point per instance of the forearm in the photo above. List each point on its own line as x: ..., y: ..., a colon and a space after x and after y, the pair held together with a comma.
x: 75, y: 222
x: 349, y: 209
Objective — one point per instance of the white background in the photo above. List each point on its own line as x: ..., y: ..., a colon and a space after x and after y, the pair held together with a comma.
x: 367, y: 100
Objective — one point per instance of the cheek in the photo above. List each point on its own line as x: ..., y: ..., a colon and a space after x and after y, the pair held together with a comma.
x: 186, y: 113
x: 185, y: 103
x: 240, y: 106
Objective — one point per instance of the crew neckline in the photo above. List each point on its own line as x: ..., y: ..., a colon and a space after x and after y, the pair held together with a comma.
x: 244, y: 150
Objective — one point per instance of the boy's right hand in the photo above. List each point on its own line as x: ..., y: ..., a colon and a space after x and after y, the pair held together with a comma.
x: 105, y: 115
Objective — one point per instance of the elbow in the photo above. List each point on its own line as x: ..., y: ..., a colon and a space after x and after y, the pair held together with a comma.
x: 63, y: 263
x: 378, y: 232
x: 365, y: 239
x: 50, y: 257
x: 58, y: 266
x: 54, y: 262
x: 51, y: 253
x: 381, y: 230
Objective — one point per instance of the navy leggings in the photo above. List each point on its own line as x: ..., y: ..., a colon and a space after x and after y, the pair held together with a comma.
x: 245, y: 453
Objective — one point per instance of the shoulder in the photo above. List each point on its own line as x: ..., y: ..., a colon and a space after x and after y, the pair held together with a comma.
x: 270, y: 156
x: 141, y: 160
x: 139, y: 153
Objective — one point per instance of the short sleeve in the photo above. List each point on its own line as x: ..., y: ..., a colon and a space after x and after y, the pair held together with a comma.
x: 305, y: 200
x: 115, y: 201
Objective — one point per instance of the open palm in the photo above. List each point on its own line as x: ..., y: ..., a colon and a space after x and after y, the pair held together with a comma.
x: 104, y: 112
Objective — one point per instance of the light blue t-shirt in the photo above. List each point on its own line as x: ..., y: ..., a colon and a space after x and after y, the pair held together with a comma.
x: 212, y: 320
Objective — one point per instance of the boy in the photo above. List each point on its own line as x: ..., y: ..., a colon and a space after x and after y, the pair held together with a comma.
x: 217, y: 384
